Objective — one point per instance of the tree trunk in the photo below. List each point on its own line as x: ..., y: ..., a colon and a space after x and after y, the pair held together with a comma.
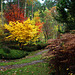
x: 28, y: 13
x: 45, y: 32
x: 58, y: 33
x: 25, y: 9
x: 0, y: 5
x: 2, y: 12
x: 32, y: 9
x: 18, y: 3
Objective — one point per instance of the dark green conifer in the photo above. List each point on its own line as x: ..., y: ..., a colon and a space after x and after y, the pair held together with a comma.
x: 66, y: 13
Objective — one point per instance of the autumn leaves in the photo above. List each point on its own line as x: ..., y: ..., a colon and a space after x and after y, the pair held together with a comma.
x: 25, y: 31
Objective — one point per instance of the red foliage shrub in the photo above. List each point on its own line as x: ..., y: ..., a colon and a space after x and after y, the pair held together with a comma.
x: 14, y: 13
x: 40, y: 26
x: 62, y: 54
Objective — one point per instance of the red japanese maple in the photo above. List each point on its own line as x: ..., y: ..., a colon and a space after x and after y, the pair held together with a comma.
x: 14, y: 13
x: 40, y: 26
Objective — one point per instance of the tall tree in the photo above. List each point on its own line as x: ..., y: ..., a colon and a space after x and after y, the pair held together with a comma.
x: 33, y: 4
x: 49, y: 3
x: 25, y: 8
x: 23, y: 4
x: 37, y: 6
x: 66, y: 11
x: 18, y: 3
x: 27, y: 5
x: 2, y: 12
x: 0, y: 5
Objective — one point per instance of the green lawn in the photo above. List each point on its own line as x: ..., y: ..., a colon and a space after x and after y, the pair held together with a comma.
x: 23, y: 60
x: 36, y: 69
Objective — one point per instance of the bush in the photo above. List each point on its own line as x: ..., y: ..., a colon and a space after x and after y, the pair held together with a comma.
x: 41, y: 46
x: 62, y: 54
x: 12, y: 54
x: 29, y: 47
x: 14, y: 13
x: 14, y: 47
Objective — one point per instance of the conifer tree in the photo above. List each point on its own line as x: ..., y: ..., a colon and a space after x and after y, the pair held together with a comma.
x: 66, y: 13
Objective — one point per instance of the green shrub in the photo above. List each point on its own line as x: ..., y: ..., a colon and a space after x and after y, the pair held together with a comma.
x: 29, y: 47
x: 13, y: 54
x: 41, y: 46
x: 14, y: 47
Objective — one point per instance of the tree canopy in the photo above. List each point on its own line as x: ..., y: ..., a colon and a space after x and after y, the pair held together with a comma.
x: 66, y: 13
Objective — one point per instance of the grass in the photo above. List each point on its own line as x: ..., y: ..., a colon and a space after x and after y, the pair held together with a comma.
x: 23, y: 60
x: 34, y: 52
x: 35, y: 69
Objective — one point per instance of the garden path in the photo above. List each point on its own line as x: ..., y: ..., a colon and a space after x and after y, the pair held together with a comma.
x: 23, y: 64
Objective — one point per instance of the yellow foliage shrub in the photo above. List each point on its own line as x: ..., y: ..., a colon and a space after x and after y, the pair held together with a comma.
x: 22, y: 32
